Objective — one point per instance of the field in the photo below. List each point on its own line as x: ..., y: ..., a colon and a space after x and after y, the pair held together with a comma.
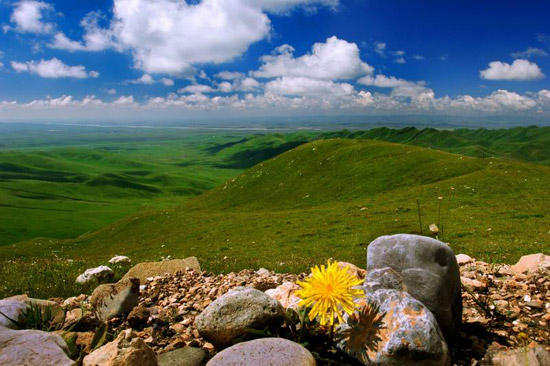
x: 325, y: 198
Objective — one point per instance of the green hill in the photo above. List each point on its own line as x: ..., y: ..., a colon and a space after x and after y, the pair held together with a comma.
x: 330, y: 198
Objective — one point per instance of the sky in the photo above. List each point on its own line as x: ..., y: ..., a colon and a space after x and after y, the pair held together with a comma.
x: 170, y: 60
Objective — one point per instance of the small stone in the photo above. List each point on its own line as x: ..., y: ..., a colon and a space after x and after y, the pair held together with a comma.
x: 532, y: 355
x: 138, y: 317
x: 262, y: 352
x: 262, y: 272
x: 120, y: 259
x: 463, y: 259
x: 472, y: 284
x: 111, y: 300
x: 186, y: 356
x: 99, y: 274
x: 125, y: 350
x: 285, y: 295
x: 232, y: 315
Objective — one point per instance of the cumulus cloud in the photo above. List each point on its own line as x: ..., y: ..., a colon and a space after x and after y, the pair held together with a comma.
x: 53, y: 68
x: 383, y: 81
x: 529, y: 52
x: 289, y: 85
x: 95, y: 37
x: 147, y: 79
x: 124, y: 100
x: 333, y: 60
x: 27, y: 16
x: 520, y: 70
x: 380, y: 48
x: 229, y: 75
x: 111, y: 91
x: 196, y: 88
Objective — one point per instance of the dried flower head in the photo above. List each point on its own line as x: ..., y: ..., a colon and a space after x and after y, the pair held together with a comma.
x: 330, y: 292
x: 362, y: 333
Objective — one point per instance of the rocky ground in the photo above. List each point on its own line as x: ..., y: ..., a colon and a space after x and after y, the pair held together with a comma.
x: 503, y: 306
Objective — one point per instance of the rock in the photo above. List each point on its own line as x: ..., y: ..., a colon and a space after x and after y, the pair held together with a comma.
x: 262, y: 272
x: 120, y: 259
x: 285, y: 295
x: 31, y: 348
x: 13, y: 309
x: 52, y: 307
x: 138, y: 317
x: 82, y: 339
x: 411, y: 335
x: 532, y: 355
x: 263, y: 352
x: 425, y: 268
x: 463, y: 259
x: 530, y: 263
x: 99, y: 274
x: 233, y: 314
x: 353, y: 269
x: 152, y: 269
x: 75, y: 301
x: 126, y: 350
x: 472, y: 284
x: 186, y: 356
x: 111, y: 300
x: 72, y: 317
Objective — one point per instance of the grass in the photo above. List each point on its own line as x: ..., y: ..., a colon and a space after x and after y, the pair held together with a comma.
x: 116, y: 191
x: 330, y: 198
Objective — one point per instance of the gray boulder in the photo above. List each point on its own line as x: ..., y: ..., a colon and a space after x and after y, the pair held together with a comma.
x: 262, y: 352
x: 152, y: 269
x: 232, y: 315
x: 111, y: 300
x: 425, y: 268
x: 410, y: 336
x: 31, y: 348
x: 12, y: 309
x: 186, y: 356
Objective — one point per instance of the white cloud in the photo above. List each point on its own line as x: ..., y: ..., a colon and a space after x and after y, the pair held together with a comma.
x: 124, y: 100
x: 333, y: 60
x: 229, y: 75
x: 400, y: 60
x: 53, y: 68
x: 167, y: 82
x: 28, y: 17
x: 95, y: 37
x: 111, y: 91
x: 520, y: 70
x: 418, y: 57
x: 196, y: 88
x: 383, y: 81
x: 529, y: 52
x: 169, y: 36
x: 380, y: 48
x: 289, y: 85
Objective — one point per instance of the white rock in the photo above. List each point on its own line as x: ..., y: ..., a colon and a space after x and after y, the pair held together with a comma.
x: 13, y: 309
x: 463, y: 259
x: 262, y: 272
x: 472, y: 284
x: 97, y: 273
x: 530, y: 263
x: 32, y: 347
x: 120, y: 259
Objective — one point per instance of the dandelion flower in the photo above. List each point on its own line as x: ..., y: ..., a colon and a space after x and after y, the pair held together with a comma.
x: 330, y: 292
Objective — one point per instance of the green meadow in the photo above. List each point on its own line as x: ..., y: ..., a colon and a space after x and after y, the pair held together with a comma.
x: 281, y: 201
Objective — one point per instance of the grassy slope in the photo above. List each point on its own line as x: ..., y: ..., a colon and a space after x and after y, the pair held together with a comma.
x: 63, y: 192
x: 329, y: 199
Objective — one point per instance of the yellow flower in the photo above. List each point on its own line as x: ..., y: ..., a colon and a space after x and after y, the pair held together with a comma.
x: 329, y: 292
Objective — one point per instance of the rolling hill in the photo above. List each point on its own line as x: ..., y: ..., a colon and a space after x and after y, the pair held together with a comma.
x: 330, y: 198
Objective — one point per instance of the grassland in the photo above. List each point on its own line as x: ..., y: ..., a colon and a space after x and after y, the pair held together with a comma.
x: 320, y: 199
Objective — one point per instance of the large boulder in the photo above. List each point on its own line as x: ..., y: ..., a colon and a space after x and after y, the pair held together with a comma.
x: 97, y: 274
x: 233, y: 315
x: 410, y: 335
x: 262, y: 352
x: 111, y: 300
x: 47, y: 306
x: 126, y: 350
x: 425, y: 268
x: 152, y: 269
x: 11, y: 309
x: 186, y: 356
x: 31, y: 348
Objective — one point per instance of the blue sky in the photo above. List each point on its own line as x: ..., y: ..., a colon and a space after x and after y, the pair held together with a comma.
x: 171, y: 59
